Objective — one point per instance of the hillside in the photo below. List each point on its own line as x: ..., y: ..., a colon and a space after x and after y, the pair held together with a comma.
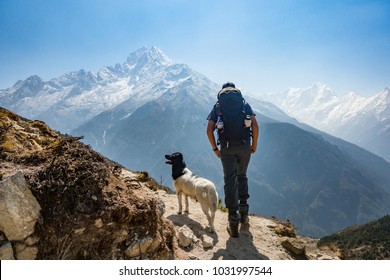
x: 87, y: 209
x: 364, y: 242
x: 91, y: 208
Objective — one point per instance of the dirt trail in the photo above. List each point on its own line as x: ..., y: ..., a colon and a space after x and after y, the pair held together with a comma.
x: 256, y: 241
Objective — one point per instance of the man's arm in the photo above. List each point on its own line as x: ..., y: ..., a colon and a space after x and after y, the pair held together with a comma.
x: 211, y: 137
x: 255, y: 133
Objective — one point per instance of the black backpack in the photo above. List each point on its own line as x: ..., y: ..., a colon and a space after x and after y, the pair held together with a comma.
x: 230, y: 109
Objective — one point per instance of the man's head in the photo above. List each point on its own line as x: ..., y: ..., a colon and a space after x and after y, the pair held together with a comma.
x: 228, y: 84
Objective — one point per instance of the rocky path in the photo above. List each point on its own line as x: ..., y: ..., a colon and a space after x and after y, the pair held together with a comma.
x: 258, y: 240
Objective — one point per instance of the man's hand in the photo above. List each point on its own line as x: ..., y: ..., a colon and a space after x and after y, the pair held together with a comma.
x: 254, y: 148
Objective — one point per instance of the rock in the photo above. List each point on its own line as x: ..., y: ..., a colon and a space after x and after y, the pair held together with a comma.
x: 285, y: 230
x: 161, y: 206
x: 121, y: 236
x: 6, y: 252
x: 139, y: 247
x: 144, y: 244
x: 155, y: 244
x: 208, y: 242
x: 327, y: 258
x: 31, y: 240
x: 133, y: 250
x: 18, y: 207
x: 185, y: 236
x: 99, y: 223
x: 79, y: 231
x: 294, y: 246
x: 25, y: 252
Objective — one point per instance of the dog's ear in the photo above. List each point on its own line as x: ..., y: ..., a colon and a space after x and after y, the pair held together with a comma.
x: 178, y: 155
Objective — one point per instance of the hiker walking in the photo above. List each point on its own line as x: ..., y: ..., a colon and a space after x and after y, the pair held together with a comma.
x: 238, y: 132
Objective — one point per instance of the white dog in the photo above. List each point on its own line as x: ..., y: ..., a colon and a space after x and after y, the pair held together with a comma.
x: 198, y: 188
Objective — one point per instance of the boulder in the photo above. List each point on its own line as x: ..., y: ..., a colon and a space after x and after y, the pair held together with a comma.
x: 139, y: 247
x: 285, y: 229
x: 294, y: 246
x: 208, y: 242
x: 6, y: 252
x: 18, y: 207
x: 186, y: 236
x: 23, y: 252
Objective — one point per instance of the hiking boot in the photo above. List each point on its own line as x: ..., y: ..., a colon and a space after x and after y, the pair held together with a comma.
x: 243, y: 210
x: 233, y: 230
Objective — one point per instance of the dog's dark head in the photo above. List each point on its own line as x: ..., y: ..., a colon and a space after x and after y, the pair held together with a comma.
x: 178, y: 164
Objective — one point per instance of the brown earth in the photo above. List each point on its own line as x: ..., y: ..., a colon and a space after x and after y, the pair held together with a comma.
x: 89, y: 211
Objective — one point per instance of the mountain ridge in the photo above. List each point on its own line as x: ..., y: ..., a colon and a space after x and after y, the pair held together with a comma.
x: 358, y: 119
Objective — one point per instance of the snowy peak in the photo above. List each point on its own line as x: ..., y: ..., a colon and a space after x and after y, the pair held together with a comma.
x: 317, y: 94
x: 299, y: 100
x: 21, y: 89
x: 75, y: 97
x: 31, y: 82
x: 144, y: 56
x: 358, y: 119
x: 384, y: 96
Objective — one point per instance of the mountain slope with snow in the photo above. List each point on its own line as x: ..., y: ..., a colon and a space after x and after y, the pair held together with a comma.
x: 364, y: 121
x: 69, y: 100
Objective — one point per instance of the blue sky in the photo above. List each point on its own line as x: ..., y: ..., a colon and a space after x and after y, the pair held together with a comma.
x: 261, y: 45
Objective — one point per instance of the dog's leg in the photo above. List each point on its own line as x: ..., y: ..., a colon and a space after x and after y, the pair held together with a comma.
x: 205, y: 209
x: 187, y: 210
x: 213, y: 209
x: 212, y: 217
x: 179, y: 195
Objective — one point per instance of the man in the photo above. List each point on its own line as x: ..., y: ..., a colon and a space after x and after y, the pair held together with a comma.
x: 235, y: 151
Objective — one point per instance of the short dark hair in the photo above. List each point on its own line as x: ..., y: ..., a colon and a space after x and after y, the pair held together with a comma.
x: 228, y: 84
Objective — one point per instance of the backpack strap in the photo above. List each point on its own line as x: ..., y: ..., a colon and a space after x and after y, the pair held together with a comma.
x: 218, y: 109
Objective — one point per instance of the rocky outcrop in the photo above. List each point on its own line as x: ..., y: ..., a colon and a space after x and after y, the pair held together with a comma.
x: 69, y: 202
x: 19, y: 214
x: 18, y: 207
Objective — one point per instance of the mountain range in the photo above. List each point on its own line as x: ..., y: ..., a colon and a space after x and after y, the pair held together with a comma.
x: 364, y: 121
x: 148, y: 106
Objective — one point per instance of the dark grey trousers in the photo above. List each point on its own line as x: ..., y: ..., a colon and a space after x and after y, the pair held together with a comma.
x: 235, y: 161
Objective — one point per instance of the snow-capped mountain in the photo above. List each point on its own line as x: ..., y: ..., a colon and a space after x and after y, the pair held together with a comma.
x: 68, y: 101
x: 139, y: 110
x: 364, y: 121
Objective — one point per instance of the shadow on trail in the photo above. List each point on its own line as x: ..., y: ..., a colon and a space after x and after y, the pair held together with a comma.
x: 241, y: 248
x: 196, y: 227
